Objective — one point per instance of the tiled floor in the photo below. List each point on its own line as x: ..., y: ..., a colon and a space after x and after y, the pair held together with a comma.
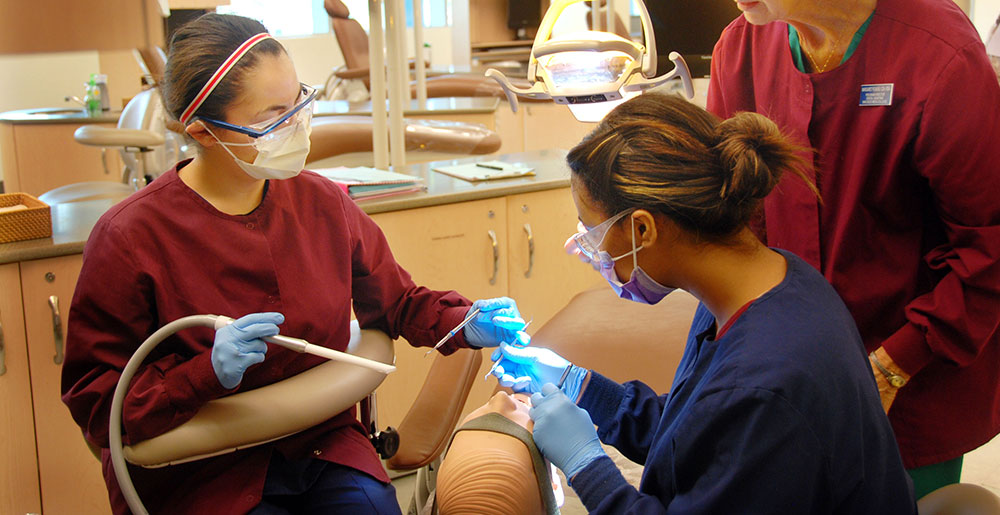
x: 981, y: 467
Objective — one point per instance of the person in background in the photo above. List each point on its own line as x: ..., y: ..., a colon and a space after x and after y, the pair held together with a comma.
x: 241, y: 230
x: 773, y: 408
x: 899, y: 101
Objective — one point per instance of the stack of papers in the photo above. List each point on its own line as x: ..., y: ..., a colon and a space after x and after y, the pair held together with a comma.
x: 367, y: 183
x: 486, y: 171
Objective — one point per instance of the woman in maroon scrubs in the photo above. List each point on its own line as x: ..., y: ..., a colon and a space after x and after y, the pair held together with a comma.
x: 899, y: 100
x: 241, y: 230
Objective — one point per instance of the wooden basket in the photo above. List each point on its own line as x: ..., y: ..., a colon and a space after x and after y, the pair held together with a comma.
x: 25, y: 224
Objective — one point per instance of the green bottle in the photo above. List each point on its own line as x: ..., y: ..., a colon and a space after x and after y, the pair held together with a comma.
x: 92, y: 100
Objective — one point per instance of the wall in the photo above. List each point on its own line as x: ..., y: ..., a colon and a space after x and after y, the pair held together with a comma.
x: 44, y: 80
x: 22, y: 86
x: 984, y: 15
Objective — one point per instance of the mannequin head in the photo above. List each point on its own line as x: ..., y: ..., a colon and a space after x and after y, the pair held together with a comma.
x: 491, y: 472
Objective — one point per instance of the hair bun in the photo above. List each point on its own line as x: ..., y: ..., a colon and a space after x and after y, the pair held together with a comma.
x: 752, y: 149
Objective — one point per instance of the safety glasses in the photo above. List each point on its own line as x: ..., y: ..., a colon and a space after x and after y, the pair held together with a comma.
x: 303, y: 108
x: 590, y: 241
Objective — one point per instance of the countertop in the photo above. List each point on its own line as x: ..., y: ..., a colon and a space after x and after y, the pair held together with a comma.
x: 445, y: 105
x: 50, y: 115
x: 72, y: 222
x: 442, y: 105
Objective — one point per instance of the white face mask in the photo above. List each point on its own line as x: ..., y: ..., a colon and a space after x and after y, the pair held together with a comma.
x: 280, y: 154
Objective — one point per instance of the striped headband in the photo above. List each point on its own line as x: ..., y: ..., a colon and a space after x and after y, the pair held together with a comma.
x: 219, y: 74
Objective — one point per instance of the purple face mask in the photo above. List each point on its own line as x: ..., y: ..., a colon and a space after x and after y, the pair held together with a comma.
x: 640, y: 287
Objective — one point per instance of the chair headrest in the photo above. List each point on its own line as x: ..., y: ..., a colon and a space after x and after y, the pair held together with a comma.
x: 336, y: 9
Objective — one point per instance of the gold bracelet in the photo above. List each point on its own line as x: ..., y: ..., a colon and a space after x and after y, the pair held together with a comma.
x: 894, y: 379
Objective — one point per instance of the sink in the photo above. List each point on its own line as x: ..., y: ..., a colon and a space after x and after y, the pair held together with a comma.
x: 54, y: 111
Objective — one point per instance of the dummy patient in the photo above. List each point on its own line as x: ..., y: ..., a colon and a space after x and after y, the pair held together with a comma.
x: 493, y: 467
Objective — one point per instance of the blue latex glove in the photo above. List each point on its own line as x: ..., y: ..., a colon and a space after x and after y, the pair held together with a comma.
x: 527, y: 369
x: 497, y: 321
x: 238, y: 346
x: 563, y: 431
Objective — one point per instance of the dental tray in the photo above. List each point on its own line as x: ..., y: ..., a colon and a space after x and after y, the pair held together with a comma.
x: 31, y: 221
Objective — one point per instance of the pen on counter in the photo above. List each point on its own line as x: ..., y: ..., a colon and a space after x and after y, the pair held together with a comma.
x: 491, y: 167
x: 468, y: 318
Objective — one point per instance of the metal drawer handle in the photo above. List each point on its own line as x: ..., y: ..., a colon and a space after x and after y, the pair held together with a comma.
x: 57, y: 332
x: 531, y: 250
x: 496, y: 255
x: 3, y: 354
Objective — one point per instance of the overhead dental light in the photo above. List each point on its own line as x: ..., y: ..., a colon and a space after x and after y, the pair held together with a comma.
x: 591, y: 71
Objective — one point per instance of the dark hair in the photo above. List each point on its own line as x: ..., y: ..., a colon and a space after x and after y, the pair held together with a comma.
x: 196, y: 51
x: 662, y: 153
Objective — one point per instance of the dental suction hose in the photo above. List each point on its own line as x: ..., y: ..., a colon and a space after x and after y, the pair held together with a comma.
x: 215, y: 322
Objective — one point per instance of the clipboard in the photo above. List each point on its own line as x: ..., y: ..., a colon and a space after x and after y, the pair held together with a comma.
x: 486, y: 171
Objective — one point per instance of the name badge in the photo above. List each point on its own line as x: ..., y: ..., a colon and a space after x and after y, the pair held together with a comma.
x: 876, y: 95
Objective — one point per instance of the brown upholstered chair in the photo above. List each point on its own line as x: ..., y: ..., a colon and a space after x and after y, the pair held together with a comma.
x: 622, y: 340
x: 336, y: 135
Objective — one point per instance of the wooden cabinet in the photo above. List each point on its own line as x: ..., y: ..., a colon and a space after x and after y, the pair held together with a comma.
x: 19, y: 491
x: 482, y: 249
x: 40, y: 157
x: 62, y: 26
x: 551, y: 125
x: 542, y: 278
x: 51, y: 457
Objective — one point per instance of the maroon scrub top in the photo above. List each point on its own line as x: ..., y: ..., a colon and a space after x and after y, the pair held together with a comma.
x: 908, y: 231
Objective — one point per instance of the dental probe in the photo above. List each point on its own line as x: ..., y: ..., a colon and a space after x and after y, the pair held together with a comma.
x: 300, y: 345
x: 453, y: 332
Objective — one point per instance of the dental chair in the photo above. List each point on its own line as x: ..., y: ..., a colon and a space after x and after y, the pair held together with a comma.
x: 353, y: 42
x: 286, y: 407
x: 147, y: 150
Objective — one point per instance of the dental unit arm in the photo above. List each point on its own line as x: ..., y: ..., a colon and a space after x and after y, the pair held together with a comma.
x: 238, y: 421
x: 591, y: 67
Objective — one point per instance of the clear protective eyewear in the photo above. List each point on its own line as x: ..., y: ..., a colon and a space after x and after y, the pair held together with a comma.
x: 590, y: 241
x: 303, y: 109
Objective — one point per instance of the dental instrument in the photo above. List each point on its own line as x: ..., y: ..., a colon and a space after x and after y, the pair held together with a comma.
x: 468, y: 318
x: 591, y: 72
x: 497, y: 362
x: 303, y: 346
x: 215, y: 321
